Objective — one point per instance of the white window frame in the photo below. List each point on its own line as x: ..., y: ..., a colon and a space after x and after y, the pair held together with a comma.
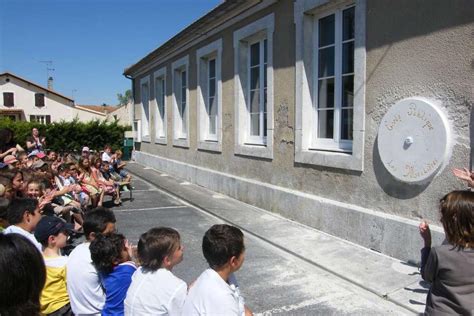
x: 207, y: 141
x: 160, y: 124
x: 144, y: 119
x: 261, y: 29
x: 180, y: 139
x: 309, y: 149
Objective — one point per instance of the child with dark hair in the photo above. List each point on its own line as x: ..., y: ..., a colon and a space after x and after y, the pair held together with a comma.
x: 155, y: 290
x: 22, y: 276
x: 3, y: 214
x: 450, y: 267
x: 52, y: 233
x: 23, y: 216
x: 83, y: 283
x: 111, y: 255
x: 215, y: 291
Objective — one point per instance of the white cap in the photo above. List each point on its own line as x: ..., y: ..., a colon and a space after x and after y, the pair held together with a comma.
x: 85, y: 148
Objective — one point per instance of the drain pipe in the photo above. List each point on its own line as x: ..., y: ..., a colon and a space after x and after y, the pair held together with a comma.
x: 132, y: 110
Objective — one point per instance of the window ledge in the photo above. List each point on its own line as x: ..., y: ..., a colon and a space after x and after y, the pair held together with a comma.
x: 210, y: 145
x: 340, y: 160
x: 182, y: 142
x: 146, y: 139
x: 258, y: 151
x: 161, y: 140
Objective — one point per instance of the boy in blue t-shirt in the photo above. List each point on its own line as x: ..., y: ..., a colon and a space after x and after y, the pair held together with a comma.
x: 111, y: 255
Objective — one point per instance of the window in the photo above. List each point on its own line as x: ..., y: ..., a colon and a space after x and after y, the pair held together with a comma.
x: 330, y: 89
x: 43, y: 119
x: 257, y: 94
x: 209, y: 96
x: 8, y: 99
x: 160, y: 106
x: 253, y: 46
x: 145, y: 110
x: 334, y: 87
x: 180, y: 102
x: 39, y: 100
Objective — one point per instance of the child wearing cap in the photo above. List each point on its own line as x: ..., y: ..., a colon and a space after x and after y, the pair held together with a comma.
x: 52, y: 233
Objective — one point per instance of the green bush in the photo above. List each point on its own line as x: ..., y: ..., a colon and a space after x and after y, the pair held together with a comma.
x: 71, y: 136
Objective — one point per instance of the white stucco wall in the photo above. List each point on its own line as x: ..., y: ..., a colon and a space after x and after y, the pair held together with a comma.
x: 24, y: 99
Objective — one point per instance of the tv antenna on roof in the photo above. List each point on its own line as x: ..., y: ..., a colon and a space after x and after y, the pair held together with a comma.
x: 49, y: 65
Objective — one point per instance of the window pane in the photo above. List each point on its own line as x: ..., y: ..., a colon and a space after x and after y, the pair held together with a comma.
x: 348, y: 57
x: 212, y: 87
x: 212, y: 68
x: 183, y: 78
x: 326, y: 31
x: 255, y: 124
x: 254, y: 54
x: 325, y: 124
x: 265, y: 76
x: 212, y: 124
x: 348, y: 24
x: 346, y: 124
x: 213, y: 106
x: 265, y: 51
x: 326, y: 62
x: 254, y: 78
x: 254, y: 102
x: 348, y: 91
x: 326, y: 93
x: 184, y: 125
x: 265, y: 112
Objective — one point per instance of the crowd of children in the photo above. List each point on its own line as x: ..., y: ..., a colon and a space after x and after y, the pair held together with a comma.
x: 105, y: 275
x: 41, y: 195
x: 65, y: 184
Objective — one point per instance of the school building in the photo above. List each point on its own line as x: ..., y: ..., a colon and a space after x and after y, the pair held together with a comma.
x: 346, y: 116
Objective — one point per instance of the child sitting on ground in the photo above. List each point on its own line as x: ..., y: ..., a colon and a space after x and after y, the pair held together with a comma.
x: 52, y: 233
x: 450, y: 267
x: 83, y: 285
x: 154, y: 289
x: 214, y: 292
x: 111, y: 256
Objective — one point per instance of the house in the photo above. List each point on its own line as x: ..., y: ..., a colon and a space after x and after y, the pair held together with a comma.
x: 23, y: 100
x: 347, y: 116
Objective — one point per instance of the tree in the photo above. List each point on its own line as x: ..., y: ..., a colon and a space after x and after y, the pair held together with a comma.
x: 125, y: 98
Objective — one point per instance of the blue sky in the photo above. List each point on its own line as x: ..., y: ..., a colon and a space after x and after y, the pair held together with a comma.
x: 90, y: 42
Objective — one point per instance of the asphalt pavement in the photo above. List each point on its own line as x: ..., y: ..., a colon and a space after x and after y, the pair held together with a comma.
x: 290, y: 269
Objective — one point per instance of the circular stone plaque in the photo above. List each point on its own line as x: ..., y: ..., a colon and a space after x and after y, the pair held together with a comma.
x: 413, y: 140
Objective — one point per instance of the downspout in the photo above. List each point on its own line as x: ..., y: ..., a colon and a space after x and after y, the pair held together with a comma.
x: 132, y: 110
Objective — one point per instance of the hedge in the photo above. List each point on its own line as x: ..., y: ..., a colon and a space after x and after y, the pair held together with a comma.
x: 71, y: 136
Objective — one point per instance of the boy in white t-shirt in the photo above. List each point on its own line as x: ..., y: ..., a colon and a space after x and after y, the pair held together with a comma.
x: 154, y: 289
x: 83, y: 284
x: 215, y: 292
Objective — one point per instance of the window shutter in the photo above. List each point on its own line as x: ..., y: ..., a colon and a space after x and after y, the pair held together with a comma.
x: 39, y: 99
x: 48, y: 119
x: 8, y: 99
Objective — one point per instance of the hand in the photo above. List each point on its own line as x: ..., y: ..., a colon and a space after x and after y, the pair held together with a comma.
x: 463, y: 174
x: 425, y: 233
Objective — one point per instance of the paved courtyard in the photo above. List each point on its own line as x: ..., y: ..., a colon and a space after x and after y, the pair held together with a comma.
x: 272, y: 280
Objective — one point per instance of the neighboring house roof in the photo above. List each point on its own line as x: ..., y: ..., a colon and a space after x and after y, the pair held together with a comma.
x: 9, y: 74
x: 191, y: 31
x: 97, y: 108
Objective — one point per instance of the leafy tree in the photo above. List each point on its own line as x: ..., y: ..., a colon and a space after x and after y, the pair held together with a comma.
x: 124, y: 98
